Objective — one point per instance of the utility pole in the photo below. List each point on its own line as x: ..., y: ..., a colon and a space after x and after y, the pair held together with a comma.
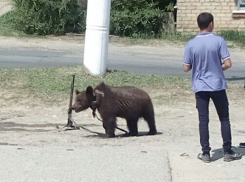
x: 97, y: 36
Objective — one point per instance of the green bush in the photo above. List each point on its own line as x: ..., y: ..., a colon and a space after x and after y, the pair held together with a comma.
x: 5, y: 25
x: 135, y: 18
x: 44, y: 17
x: 234, y: 36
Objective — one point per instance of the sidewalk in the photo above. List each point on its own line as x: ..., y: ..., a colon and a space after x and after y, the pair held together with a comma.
x: 83, y: 164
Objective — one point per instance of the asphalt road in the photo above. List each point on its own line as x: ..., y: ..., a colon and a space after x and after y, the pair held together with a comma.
x: 170, y: 65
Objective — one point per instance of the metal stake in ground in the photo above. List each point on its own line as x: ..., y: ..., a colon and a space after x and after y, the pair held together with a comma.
x: 70, y: 123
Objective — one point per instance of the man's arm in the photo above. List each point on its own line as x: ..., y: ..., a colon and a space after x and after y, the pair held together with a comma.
x: 225, y: 55
x: 186, y: 67
x: 226, y: 64
x: 187, y: 59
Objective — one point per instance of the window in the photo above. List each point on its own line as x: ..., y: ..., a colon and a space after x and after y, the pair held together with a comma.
x: 241, y: 4
x: 240, y: 11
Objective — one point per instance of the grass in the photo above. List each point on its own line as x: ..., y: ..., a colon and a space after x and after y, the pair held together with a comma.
x: 10, y: 32
x: 54, y: 83
x: 237, y: 37
x: 51, y: 86
x: 234, y: 38
x: 169, y: 38
x: 6, y: 27
x: 5, y: 31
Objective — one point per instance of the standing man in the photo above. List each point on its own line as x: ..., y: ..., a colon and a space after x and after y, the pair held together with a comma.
x: 208, y: 56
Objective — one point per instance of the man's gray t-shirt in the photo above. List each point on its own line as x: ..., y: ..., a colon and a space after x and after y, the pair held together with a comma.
x: 204, y: 53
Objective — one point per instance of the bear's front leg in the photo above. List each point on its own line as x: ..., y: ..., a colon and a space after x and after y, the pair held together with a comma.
x: 109, y: 126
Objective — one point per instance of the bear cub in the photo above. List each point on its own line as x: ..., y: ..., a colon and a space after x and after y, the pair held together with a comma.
x: 126, y: 102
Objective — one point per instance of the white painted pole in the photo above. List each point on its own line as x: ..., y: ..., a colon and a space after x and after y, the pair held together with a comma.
x: 97, y: 36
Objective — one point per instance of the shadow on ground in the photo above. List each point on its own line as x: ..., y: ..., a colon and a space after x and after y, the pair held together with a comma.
x: 102, y: 135
x: 12, y: 126
x: 218, y: 153
x: 234, y: 78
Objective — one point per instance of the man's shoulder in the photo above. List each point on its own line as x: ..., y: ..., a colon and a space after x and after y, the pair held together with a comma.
x: 213, y: 36
x: 189, y: 43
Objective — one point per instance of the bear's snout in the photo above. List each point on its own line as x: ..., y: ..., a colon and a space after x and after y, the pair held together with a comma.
x: 75, y: 108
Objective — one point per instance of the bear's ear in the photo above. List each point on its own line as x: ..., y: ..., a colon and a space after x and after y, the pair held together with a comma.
x: 77, y: 92
x: 89, y: 90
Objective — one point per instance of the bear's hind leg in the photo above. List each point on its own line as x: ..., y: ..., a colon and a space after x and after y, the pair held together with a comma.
x: 132, y: 126
x: 150, y: 119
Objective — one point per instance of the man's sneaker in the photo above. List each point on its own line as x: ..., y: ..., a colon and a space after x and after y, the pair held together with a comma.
x: 231, y: 156
x: 204, y: 157
x: 242, y: 145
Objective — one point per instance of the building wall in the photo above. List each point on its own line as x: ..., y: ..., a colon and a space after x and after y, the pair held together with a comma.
x: 222, y: 10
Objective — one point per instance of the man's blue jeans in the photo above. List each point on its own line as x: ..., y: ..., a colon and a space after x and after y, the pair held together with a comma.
x: 222, y: 107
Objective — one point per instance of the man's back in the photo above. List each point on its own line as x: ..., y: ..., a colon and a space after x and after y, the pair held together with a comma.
x: 204, y: 53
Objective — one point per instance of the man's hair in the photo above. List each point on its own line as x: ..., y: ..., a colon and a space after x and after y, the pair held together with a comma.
x: 204, y: 19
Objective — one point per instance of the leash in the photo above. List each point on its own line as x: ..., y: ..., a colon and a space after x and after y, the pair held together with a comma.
x: 95, y: 115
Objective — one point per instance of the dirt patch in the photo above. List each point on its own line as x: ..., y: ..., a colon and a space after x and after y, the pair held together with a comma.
x: 31, y: 122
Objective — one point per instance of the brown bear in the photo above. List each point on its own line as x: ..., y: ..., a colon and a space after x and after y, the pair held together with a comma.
x: 126, y: 102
